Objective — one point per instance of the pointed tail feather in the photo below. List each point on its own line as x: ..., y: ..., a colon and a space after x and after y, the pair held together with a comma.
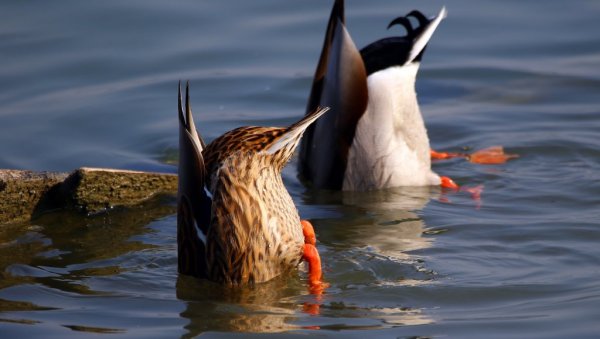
x: 295, y: 131
x: 336, y: 17
x: 420, y: 42
x: 193, y: 204
x: 192, y: 169
x: 186, y: 119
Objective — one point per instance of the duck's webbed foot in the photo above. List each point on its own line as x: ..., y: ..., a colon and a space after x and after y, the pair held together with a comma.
x: 309, y: 232
x: 446, y: 182
x: 446, y: 155
x: 490, y: 156
x: 311, y: 255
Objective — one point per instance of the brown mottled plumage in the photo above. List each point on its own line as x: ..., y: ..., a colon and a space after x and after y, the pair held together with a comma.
x: 236, y: 221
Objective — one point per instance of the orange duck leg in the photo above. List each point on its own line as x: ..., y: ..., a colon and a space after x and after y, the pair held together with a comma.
x: 311, y: 255
x: 488, y: 156
x: 445, y: 155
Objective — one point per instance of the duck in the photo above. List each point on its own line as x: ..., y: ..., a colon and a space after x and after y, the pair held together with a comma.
x: 236, y: 221
x: 374, y: 137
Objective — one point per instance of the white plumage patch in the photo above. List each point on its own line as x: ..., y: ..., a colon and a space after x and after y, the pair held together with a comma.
x: 208, y: 194
x: 424, y: 37
x: 390, y: 146
x: 199, y: 233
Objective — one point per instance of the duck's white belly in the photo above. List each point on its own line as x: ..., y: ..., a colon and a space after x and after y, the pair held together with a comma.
x: 390, y: 146
x: 393, y: 166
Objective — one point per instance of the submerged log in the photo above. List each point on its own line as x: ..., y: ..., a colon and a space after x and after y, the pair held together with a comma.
x: 25, y: 194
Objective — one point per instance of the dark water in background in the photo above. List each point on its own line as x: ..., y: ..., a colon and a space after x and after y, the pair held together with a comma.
x: 94, y: 84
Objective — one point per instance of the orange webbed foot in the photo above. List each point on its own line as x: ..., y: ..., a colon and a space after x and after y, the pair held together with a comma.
x: 309, y: 232
x: 475, y: 191
x: 445, y: 155
x: 446, y: 182
x: 491, y: 156
x: 312, y: 257
x: 488, y: 156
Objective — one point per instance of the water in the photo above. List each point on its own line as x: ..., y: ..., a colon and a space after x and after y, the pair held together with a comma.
x: 94, y: 84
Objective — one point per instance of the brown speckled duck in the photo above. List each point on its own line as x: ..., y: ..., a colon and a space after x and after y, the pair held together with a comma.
x: 236, y: 222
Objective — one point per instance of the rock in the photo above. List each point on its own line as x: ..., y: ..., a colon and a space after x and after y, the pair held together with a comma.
x: 25, y: 194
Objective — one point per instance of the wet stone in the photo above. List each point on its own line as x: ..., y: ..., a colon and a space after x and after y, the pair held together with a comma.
x: 25, y: 194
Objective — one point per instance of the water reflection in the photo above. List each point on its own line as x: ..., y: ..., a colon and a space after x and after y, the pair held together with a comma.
x: 368, y: 247
x: 61, y: 250
x: 393, y: 227
x: 266, y: 308
x: 384, y: 222
x: 365, y: 251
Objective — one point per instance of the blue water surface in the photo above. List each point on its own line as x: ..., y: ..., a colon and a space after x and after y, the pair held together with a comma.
x: 95, y: 84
